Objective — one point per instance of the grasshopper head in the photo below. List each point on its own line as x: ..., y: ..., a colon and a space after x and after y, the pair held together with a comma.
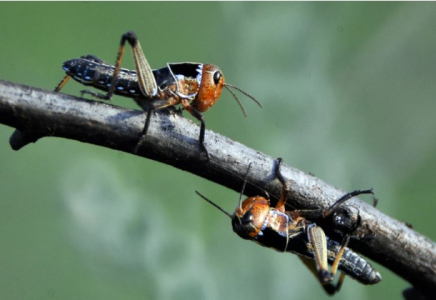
x: 211, y: 86
x: 249, y: 218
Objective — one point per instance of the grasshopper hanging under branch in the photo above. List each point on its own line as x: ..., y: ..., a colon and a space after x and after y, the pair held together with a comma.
x: 291, y: 231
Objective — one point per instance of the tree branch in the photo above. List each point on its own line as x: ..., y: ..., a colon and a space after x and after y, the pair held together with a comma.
x: 173, y: 140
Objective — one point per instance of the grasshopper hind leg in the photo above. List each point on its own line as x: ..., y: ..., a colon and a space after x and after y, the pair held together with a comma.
x: 319, y: 264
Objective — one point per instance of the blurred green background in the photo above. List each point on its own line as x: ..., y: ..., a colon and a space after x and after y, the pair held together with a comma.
x: 349, y: 95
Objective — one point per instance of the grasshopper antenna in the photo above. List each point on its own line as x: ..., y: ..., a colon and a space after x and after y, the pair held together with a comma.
x: 243, y: 186
x: 228, y: 86
x: 214, y: 204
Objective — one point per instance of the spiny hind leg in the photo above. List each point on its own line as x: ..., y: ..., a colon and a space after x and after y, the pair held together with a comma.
x: 147, y: 82
x: 318, y: 242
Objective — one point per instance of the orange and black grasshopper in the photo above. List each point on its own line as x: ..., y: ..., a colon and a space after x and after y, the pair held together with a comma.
x: 195, y: 86
x: 291, y: 231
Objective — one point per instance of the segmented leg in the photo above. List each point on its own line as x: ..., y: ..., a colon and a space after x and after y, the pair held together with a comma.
x: 148, y: 86
x: 146, y: 80
x: 144, y: 130
x: 285, y: 187
x: 317, y: 240
x: 344, y: 198
x: 323, y: 213
x: 195, y: 113
x: 94, y: 94
x: 149, y: 107
x: 62, y: 83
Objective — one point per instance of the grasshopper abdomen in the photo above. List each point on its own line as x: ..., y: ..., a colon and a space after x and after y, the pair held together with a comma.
x: 94, y: 72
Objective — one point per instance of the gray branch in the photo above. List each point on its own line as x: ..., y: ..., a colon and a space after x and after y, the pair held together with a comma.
x: 173, y: 140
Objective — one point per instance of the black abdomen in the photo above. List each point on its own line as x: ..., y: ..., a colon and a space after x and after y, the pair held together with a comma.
x: 353, y: 264
x: 92, y: 71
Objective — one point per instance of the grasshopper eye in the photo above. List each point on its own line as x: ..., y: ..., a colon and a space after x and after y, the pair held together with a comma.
x: 217, y: 76
x: 247, y: 218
